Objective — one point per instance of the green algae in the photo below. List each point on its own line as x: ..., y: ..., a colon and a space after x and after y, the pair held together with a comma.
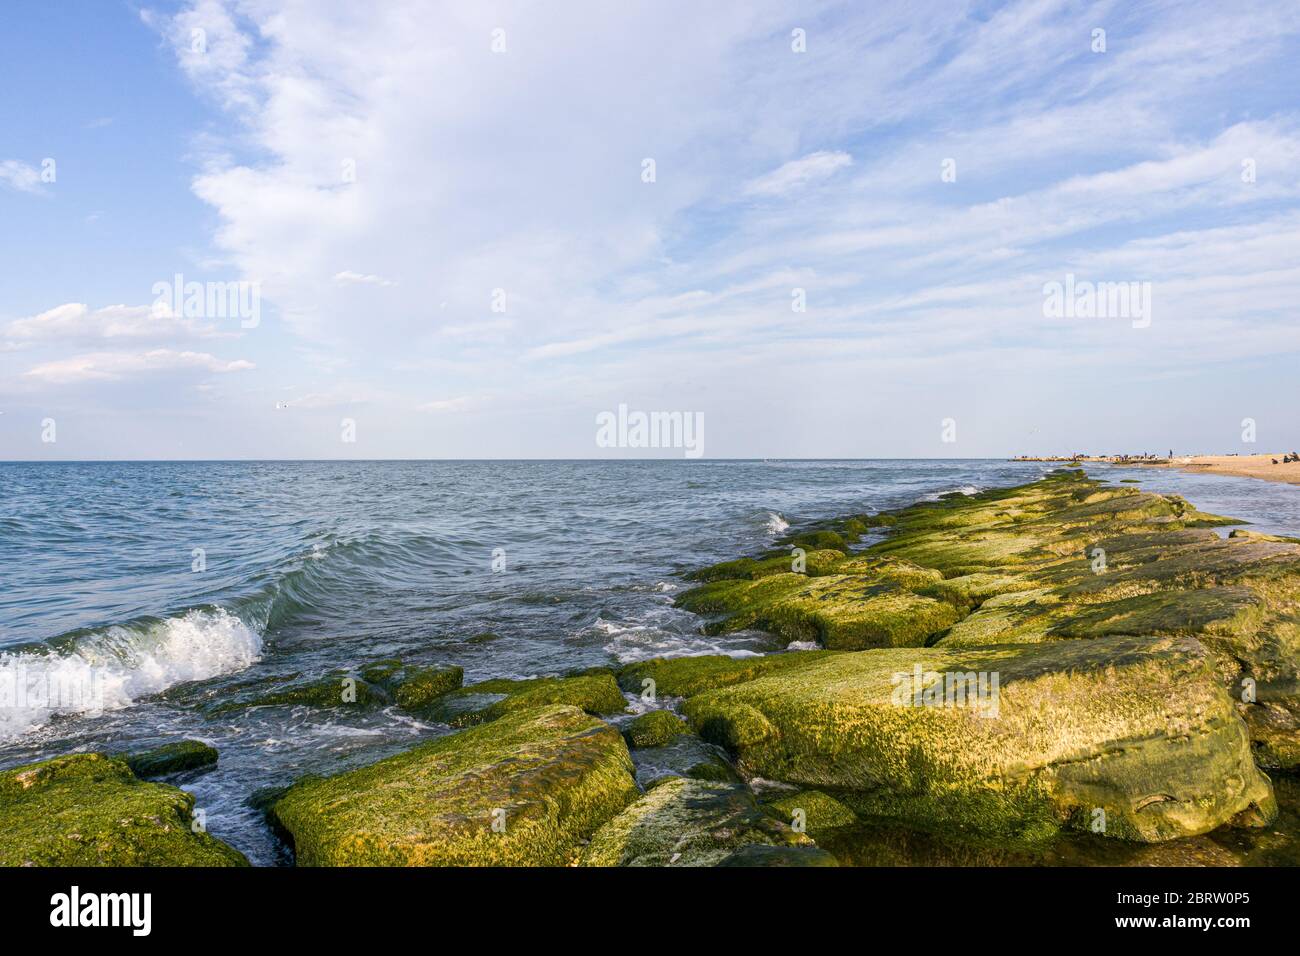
x: 1063, y: 558
x: 91, y: 810
x: 412, y: 687
x: 813, y: 810
x: 596, y: 692
x: 654, y: 729
x: 684, y: 676
x: 1135, y: 727
x: 171, y: 758
x: 842, y: 612
x: 338, y: 689
x: 525, y: 789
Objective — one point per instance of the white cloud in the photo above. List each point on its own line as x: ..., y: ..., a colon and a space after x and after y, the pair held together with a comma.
x: 365, y: 137
x: 20, y: 176
x: 356, y: 278
x: 77, y: 322
x: 116, y: 366
x: 445, y: 405
x: 799, y: 173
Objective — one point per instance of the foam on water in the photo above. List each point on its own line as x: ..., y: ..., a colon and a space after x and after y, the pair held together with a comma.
x: 110, y: 669
x: 776, y: 524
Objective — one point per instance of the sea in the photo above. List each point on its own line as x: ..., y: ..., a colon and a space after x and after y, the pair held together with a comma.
x: 166, y: 584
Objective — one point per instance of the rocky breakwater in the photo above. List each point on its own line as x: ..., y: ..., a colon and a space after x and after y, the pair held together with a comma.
x: 1003, y: 666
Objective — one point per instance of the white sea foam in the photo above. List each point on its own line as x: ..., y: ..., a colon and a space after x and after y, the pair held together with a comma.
x: 776, y: 524
x: 966, y: 490
x: 111, y: 669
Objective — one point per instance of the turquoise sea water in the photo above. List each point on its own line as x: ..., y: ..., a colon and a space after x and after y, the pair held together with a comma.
x: 507, y: 569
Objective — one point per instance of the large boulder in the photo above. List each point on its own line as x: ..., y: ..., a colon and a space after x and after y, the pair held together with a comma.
x: 525, y: 789
x: 91, y: 810
x: 1134, y: 734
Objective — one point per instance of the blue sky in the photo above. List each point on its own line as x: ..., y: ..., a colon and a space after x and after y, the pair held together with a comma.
x: 388, y: 182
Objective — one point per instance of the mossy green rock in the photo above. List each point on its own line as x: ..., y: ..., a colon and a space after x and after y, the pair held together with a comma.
x: 91, y: 810
x: 339, y: 689
x: 685, y: 822
x: 412, y: 687
x: 1136, y: 727
x: 654, y: 729
x: 683, y: 676
x: 817, y: 812
x: 171, y: 758
x: 547, y: 778
x: 843, y: 612
x: 596, y: 693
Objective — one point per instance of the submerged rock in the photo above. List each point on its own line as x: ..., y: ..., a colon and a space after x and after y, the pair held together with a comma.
x: 1134, y: 733
x: 757, y: 854
x: 91, y: 810
x: 596, y: 693
x: 686, y: 755
x: 686, y: 823
x: 654, y: 729
x: 522, y: 790
x: 339, y: 689
x: 412, y: 687
x: 171, y: 758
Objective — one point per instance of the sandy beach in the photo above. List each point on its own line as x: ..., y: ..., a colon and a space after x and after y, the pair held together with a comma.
x: 1242, y: 466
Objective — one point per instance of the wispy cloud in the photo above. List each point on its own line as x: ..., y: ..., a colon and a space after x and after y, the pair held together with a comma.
x: 116, y: 366
x: 357, y: 278
x: 76, y: 322
x: 798, y: 173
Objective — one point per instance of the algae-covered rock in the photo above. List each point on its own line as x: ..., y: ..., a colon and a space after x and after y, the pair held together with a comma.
x: 91, y: 810
x: 412, y: 687
x: 522, y: 790
x: 1062, y: 558
x: 171, y: 758
x: 683, y: 676
x: 844, y: 612
x: 339, y: 689
x: 1137, y: 729
x: 813, y: 811
x: 654, y: 729
x: 686, y: 823
x: 595, y: 692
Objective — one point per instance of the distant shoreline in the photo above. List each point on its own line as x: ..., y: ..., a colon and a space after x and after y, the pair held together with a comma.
x: 1241, y: 466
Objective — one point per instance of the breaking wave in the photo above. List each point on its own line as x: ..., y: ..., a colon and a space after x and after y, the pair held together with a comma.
x: 111, y: 668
